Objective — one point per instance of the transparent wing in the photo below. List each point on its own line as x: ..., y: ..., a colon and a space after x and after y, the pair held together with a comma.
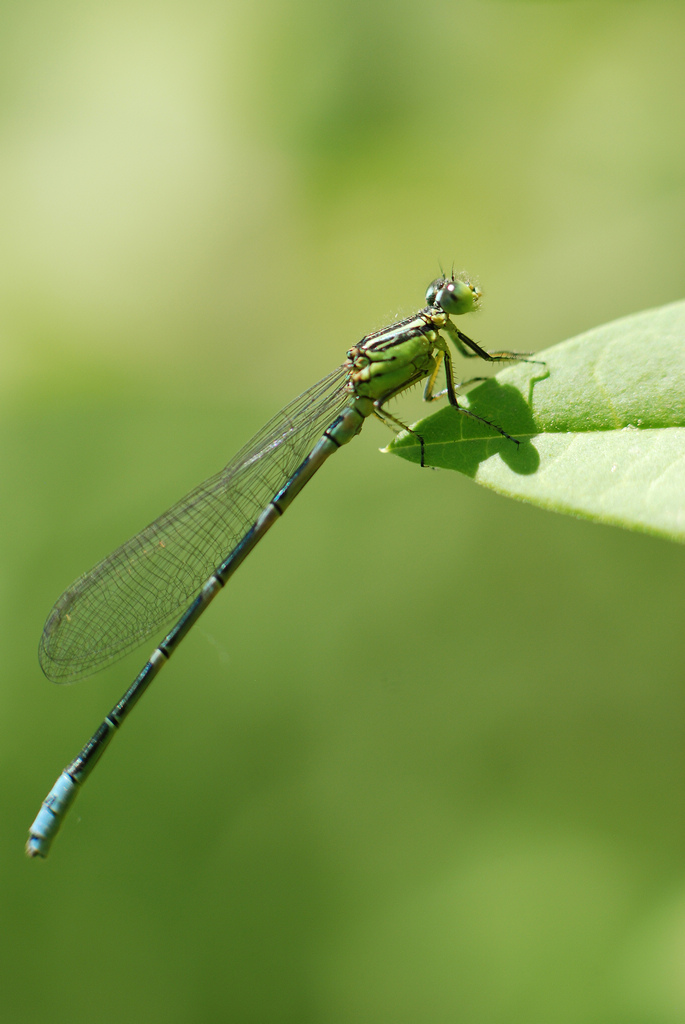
x: 137, y: 589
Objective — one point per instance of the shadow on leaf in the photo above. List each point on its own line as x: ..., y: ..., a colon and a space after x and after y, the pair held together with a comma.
x: 458, y: 442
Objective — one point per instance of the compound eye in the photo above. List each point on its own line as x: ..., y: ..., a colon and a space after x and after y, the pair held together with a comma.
x: 456, y: 297
x: 433, y: 289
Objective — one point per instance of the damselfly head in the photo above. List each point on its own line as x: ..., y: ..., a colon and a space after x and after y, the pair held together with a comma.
x: 454, y: 295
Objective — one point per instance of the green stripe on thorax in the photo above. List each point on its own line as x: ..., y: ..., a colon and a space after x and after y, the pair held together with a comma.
x: 391, y: 360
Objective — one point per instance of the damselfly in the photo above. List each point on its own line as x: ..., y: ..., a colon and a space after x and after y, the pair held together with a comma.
x: 191, y: 551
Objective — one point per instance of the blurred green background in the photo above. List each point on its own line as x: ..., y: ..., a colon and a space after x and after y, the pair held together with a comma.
x: 424, y: 760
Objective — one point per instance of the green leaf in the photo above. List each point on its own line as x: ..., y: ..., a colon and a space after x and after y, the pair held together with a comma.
x: 601, y: 425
